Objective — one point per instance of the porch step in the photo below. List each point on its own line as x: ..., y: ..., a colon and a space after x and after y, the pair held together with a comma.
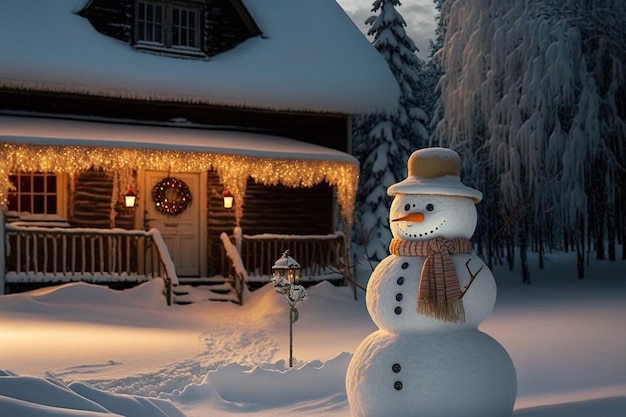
x: 194, y: 290
x: 195, y: 281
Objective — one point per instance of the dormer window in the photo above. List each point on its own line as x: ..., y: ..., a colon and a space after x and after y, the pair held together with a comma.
x: 170, y: 27
x: 174, y: 28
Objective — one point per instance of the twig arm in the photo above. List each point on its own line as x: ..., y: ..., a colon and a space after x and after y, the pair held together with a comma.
x: 472, y: 275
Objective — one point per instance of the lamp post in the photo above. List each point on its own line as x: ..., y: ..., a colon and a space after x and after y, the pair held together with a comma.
x: 286, y: 275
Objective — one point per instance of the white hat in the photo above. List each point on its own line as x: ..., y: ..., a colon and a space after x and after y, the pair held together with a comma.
x: 434, y: 171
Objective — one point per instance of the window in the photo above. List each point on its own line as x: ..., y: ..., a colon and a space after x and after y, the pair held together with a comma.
x: 35, y: 193
x: 169, y: 26
x: 184, y: 28
x: 150, y: 23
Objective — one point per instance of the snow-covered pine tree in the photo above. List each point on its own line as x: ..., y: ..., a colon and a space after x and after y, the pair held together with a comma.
x: 382, y: 142
x: 434, y: 70
x: 538, y: 86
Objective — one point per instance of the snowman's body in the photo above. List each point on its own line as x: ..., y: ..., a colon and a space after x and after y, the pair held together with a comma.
x: 392, y: 294
x: 417, y: 364
x: 443, y: 374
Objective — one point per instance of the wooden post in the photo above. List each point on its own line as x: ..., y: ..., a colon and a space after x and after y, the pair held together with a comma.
x: 2, y: 254
x: 168, y: 290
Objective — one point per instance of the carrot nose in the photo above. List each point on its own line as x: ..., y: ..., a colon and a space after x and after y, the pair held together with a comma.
x: 411, y: 217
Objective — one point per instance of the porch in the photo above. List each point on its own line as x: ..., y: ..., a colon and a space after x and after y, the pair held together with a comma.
x: 178, y: 174
x: 322, y: 257
x: 43, y: 254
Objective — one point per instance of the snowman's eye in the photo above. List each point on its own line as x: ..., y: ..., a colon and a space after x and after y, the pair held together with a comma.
x: 430, y: 207
x: 407, y: 207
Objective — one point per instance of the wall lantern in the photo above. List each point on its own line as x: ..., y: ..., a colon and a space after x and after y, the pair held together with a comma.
x: 228, y: 199
x: 130, y: 198
x: 286, y: 275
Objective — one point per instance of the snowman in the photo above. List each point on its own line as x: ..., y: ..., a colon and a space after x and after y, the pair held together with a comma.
x: 428, y: 358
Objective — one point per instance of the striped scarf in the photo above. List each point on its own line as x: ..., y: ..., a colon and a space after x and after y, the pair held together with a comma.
x: 439, y: 292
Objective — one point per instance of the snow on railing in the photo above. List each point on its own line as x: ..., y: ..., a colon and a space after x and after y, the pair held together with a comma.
x: 65, y: 254
x: 164, y: 254
x: 241, y: 275
x: 322, y: 257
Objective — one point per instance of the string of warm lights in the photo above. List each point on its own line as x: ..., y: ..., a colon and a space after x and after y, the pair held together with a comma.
x: 233, y: 170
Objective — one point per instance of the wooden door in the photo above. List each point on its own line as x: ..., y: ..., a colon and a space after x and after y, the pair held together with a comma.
x: 181, y: 232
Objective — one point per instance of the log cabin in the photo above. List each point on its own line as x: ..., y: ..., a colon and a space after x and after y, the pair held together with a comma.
x: 216, y: 116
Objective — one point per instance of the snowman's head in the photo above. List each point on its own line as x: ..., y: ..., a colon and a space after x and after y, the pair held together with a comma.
x: 417, y: 217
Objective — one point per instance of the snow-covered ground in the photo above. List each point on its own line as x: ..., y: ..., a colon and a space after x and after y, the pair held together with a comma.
x: 83, y: 350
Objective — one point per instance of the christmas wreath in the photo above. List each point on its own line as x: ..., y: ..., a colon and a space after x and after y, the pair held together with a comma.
x: 171, y: 196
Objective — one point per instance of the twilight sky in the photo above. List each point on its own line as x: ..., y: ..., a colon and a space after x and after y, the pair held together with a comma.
x: 418, y: 14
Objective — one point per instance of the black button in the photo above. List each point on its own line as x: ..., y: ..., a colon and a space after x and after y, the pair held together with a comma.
x: 397, y: 385
x: 399, y: 296
x: 398, y: 310
x: 400, y: 281
x: 405, y: 265
x: 396, y: 368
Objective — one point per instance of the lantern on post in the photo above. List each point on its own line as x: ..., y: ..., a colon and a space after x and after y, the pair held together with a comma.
x: 286, y: 275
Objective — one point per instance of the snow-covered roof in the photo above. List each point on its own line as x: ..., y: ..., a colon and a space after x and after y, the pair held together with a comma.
x: 311, y: 58
x: 45, y: 131
x: 69, y: 146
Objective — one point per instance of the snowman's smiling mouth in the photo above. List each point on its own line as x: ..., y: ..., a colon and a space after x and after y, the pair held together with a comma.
x: 422, y: 234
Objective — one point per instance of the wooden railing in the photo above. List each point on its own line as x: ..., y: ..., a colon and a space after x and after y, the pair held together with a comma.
x: 236, y: 269
x: 322, y: 257
x: 54, y: 254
